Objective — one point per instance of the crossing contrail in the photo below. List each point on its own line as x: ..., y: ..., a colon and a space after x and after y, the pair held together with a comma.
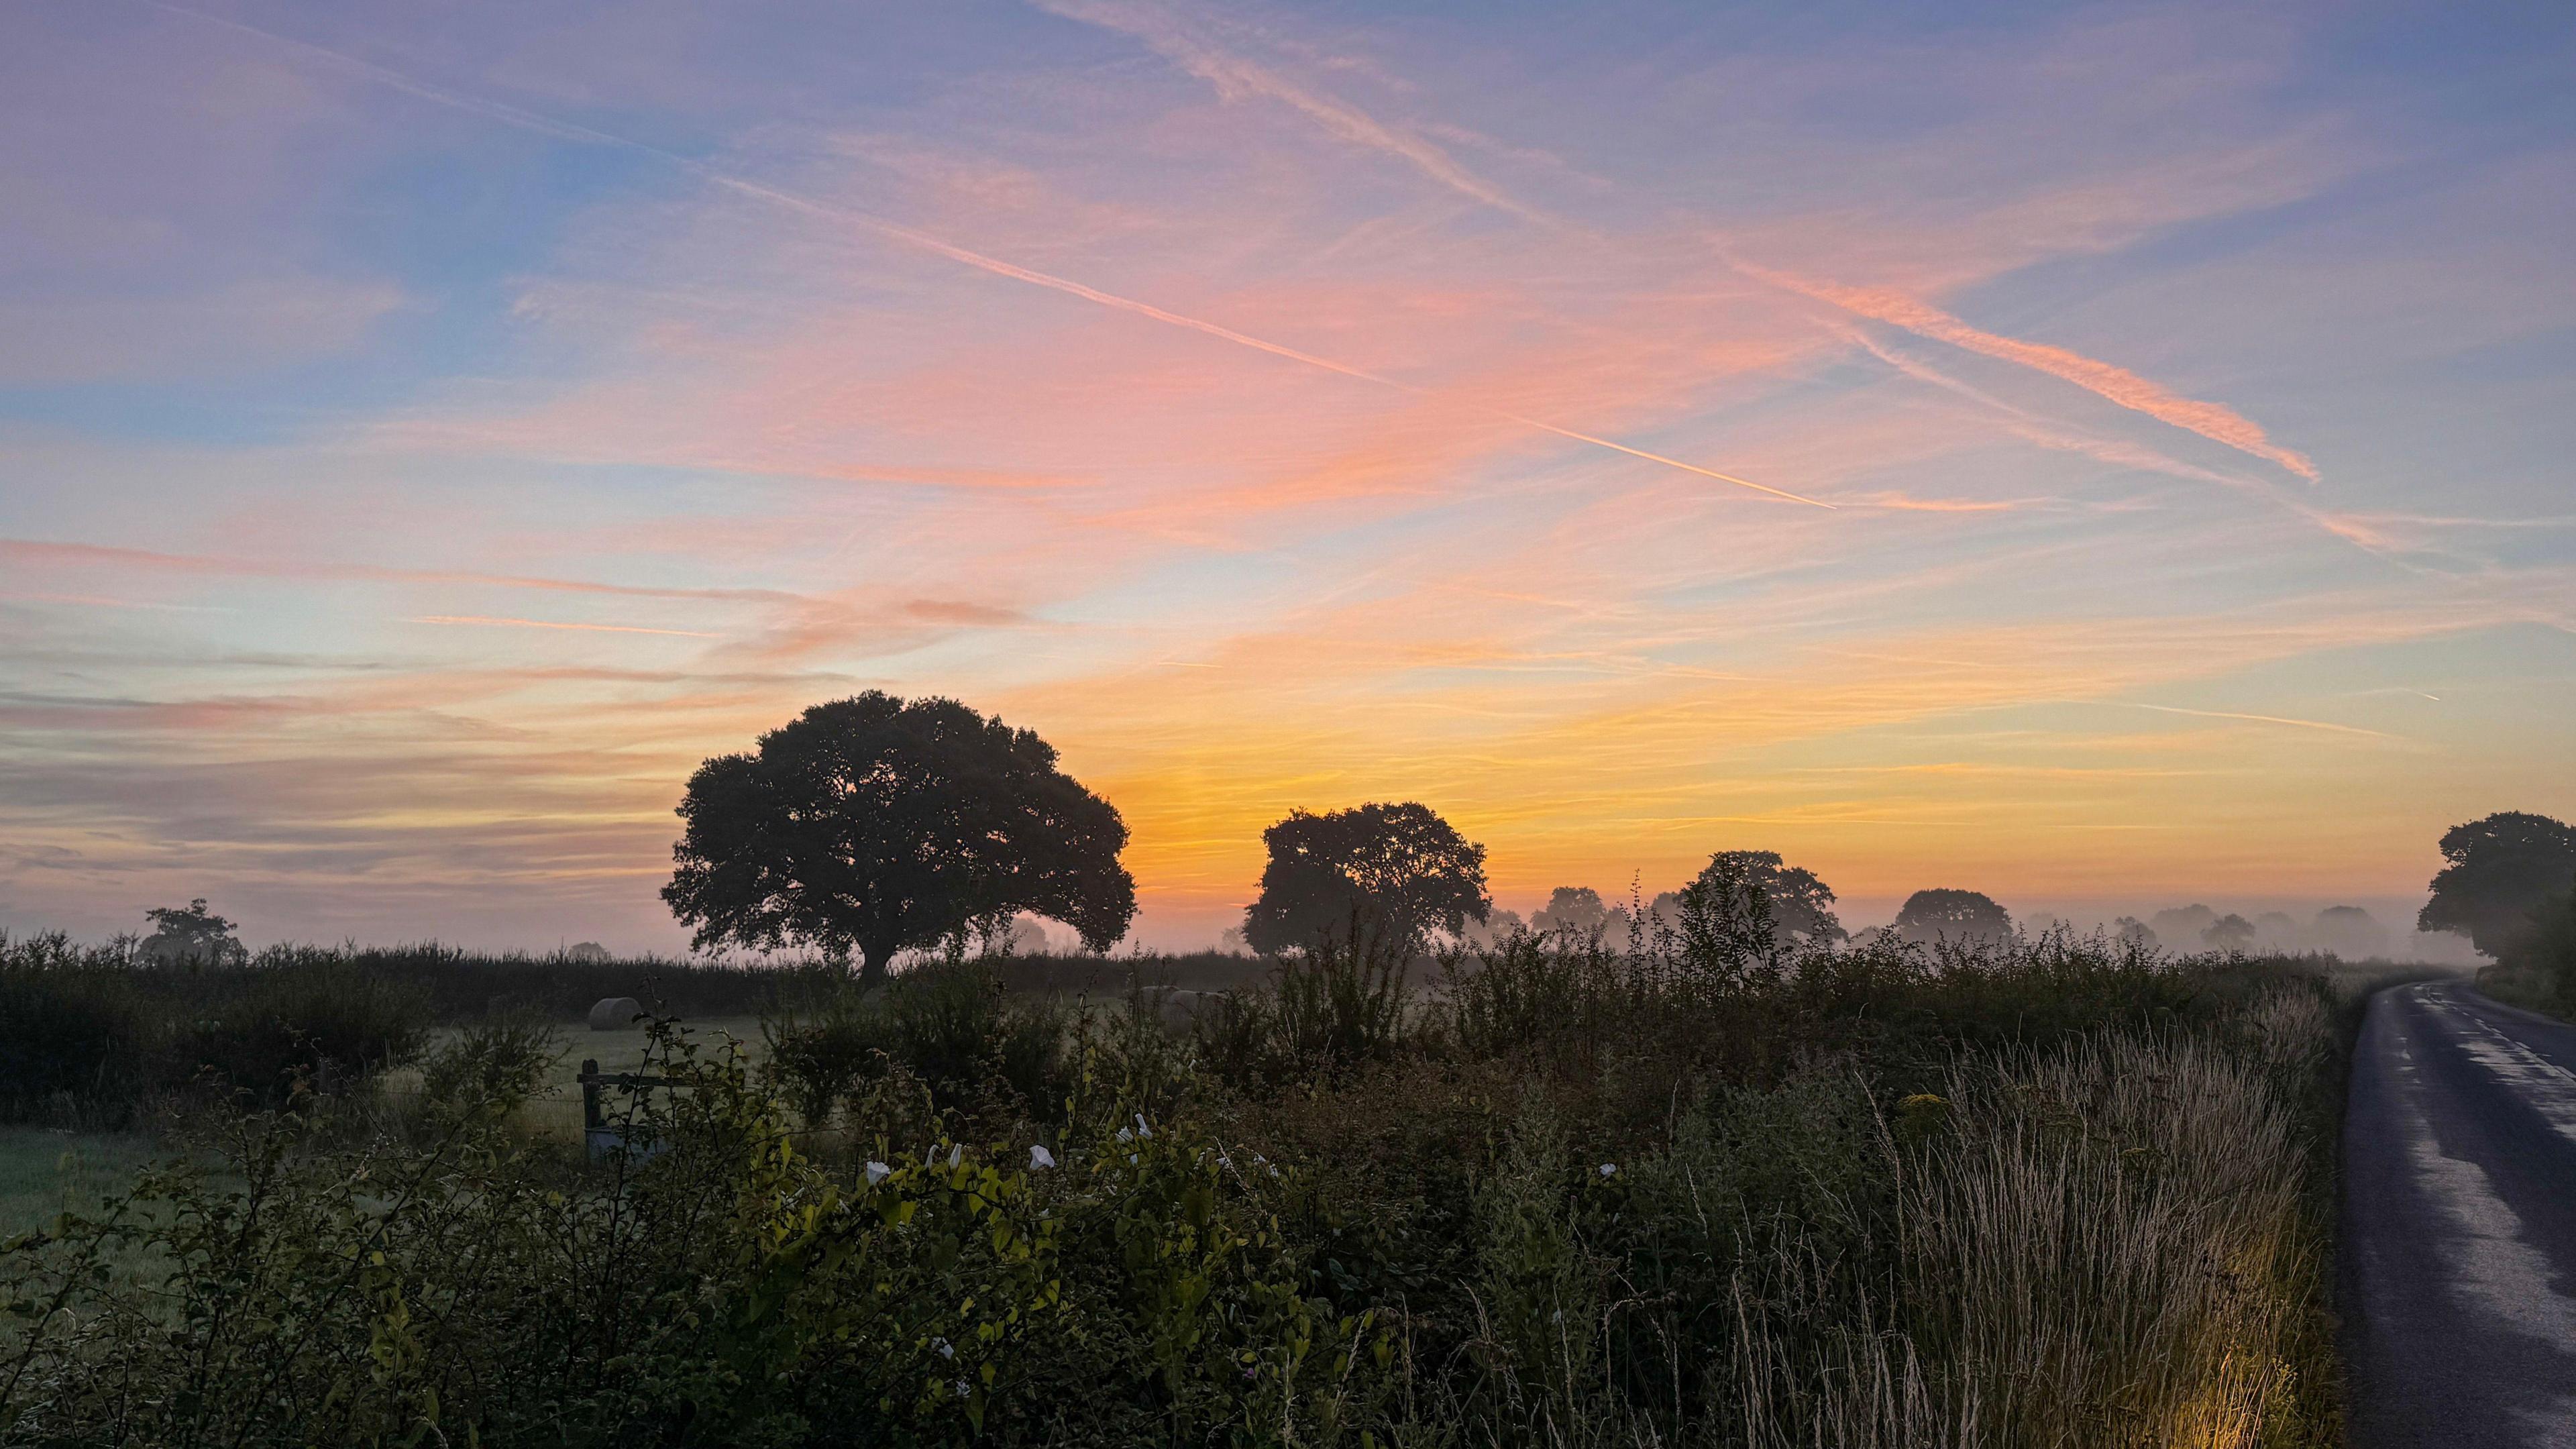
x: 543, y: 125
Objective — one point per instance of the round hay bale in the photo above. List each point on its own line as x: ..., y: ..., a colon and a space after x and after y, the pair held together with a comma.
x: 615, y: 1013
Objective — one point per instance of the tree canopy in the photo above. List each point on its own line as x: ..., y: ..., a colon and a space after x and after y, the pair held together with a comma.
x: 1952, y: 915
x: 2501, y: 870
x: 1801, y: 907
x: 2230, y: 932
x: 877, y: 825
x: 192, y: 933
x: 1580, y: 911
x: 1396, y: 868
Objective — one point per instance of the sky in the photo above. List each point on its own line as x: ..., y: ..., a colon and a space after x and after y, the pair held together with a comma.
x: 2104, y: 456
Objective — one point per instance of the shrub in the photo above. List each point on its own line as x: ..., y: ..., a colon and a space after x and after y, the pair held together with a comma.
x: 1891, y: 1196
x: 96, y: 1034
x: 946, y: 1023
x: 319, y: 1021
x: 460, y: 1289
x: 1337, y: 1003
x: 77, y: 1038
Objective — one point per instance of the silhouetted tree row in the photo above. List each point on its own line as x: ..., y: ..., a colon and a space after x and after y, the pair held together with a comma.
x: 873, y: 825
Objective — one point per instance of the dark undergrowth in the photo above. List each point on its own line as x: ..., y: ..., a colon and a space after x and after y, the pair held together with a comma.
x: 2049, y: 1193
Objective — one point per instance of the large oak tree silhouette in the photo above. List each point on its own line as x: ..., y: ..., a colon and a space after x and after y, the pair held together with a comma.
x: 876, y: 825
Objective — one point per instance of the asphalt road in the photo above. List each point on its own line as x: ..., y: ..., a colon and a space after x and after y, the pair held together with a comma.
x: 2459, y: 1224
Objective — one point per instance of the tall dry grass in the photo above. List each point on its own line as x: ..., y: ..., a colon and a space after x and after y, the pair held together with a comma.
x: 2109, y: 1244
x: 2112, y: 1247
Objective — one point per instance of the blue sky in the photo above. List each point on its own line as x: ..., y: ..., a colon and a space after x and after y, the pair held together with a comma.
x: 423, y: 437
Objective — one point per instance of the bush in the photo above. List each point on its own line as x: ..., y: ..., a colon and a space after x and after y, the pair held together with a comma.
x: 77, y: 1038
x: 947, y: 1024
x: 1885, y: 1196
x: 1338, y: 1003
x: 730, y: 1291
x: 319, y: 1022
x: 98, y: 1034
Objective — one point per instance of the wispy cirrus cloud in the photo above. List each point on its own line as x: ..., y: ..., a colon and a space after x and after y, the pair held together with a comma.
x: 1272, y: 418
x: 1179, y: 37
x: 491, y: 622
x: 2214, y: 421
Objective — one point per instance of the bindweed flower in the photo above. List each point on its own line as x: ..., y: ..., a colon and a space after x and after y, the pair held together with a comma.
x: 962, y: 1390
x: 944, y: 1348
x: 1040, y: 1157
x: 1126, y: 1136
x: 878, y: 1172
x: 1142, y: 1130
x: 1609, y: 1169
x: 956, y: 1154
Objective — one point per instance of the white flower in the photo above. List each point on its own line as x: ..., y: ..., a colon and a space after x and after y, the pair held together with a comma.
x: 1609, y: 1169
x: 944, y: 1347
x: 962, y: 1390
x: 1131, y: 1159
x: 956, y: 1153
x: 1126, y: 1136
x: 878, y: 1172
x: 1142, y: 1130
x: 1040, y: 1157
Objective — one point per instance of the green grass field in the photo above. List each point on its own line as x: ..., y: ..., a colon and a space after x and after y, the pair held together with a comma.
x: 556, y: 1110
x: 44, y: 1173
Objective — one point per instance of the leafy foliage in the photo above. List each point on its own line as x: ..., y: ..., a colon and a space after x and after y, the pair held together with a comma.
x: 192, y: 935
x: 2501, y: 869
x: 1879, y: 1195
x: 98, y: 1035
x: 1800, y: 906
x: 1399, y: 870
x: 876, y: 825
x: 1932, y: 916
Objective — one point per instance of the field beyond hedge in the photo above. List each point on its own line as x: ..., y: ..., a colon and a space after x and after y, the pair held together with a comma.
x: 2046, y: 1193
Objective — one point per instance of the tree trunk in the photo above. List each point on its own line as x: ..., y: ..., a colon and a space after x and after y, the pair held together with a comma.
x: 876, y: 963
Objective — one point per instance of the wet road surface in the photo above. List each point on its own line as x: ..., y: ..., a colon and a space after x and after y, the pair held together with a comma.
x: 2459, y: 1224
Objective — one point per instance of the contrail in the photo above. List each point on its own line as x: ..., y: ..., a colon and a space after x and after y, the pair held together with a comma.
x: 498, y: 623
x: 2214, y: 421
x: 1233, y: 76
x: 2305, y: 724
x: 566, y: 131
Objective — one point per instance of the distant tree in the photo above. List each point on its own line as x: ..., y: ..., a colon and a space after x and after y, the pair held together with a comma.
x: 2278, y: 932
x: 1965, y: 917
x: 1498, y: 926
x: 192, y: 934
x: 1801, y: 907
x: 1397, y: 868
x: 2229, y: 933
x: 1576, y: 910
x: 2183, y: 925
x: 588, y: 953
x: 2349, y: 932
x: 2130, y: 931
x: 878, y: 825
x: 2502, y: 869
